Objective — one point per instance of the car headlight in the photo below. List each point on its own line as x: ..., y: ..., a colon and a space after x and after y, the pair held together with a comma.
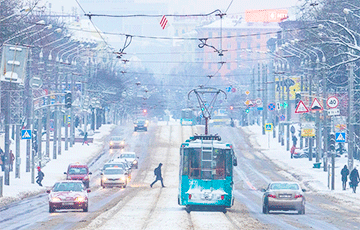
x: 111, y: 143
x: 123, y: 178
x: 122, y: 143
x: 86, y: 178
x: 135, y: 162
x: 104, y: 179
x: 145, y: 125
x: 80, y: 199
x: 135, y: 125
x: 55, y: 199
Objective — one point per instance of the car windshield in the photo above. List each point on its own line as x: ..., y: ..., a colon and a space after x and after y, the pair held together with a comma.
x: 284, y: 186
x: 111, y: 165
x: 140, y: 122
x: 76, y: 171
x: 116, y: 139
x: 127, y: 156
x: 112, y: 171
x: 68, y: 186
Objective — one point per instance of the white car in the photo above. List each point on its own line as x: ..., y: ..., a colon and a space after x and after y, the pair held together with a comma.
x: 131, y: 158
x: 114, y: 176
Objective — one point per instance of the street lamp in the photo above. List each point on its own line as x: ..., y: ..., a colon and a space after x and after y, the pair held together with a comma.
x: 41, y: 22
x: 26, y: 9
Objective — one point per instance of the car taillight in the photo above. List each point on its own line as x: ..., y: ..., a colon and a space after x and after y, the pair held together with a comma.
x: 189, y: 196
x: 298, y: 196
x: 272, y: 196
x: 222, y: 197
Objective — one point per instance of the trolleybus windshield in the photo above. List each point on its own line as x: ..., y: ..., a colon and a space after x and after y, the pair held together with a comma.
x: 215, y: 164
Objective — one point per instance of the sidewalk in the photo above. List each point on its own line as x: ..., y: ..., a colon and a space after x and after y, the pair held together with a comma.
x: 302, y: 169
x: 54, y: 170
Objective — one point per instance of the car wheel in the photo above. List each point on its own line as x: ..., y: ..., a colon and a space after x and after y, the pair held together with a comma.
x: 51, y: 209
x: 86, y: 209
x: 302, y: 210
x: 265, y: 209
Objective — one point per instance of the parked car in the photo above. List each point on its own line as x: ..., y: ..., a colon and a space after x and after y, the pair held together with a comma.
x: 114, y: 176
x: 80, y: 172
x: 283, y: 195
x: 68, y: 195
x: 304, y: 153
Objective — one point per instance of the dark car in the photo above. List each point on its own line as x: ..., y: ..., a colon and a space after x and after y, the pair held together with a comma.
x: 140, y: 125
x: 68, y: 195
x: 79, y: 172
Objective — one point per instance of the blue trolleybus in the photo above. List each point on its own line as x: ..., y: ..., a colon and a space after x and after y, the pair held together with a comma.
x: 188, y: 117
x: 206, y: 173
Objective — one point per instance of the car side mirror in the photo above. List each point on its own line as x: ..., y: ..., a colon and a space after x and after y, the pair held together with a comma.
x: 101, y: 173
x: 88, y: 190
x: 263, y: 190
x: 90, y: 173
x: 126, y: 173
x: 65, y: 173
x: 235, y: 162
x: 304, y: 190
x: 137, y: 157
x: 48, y: 191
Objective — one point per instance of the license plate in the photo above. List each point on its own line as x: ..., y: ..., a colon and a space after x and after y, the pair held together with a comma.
x: 68, y: 203
x: 285, y: 195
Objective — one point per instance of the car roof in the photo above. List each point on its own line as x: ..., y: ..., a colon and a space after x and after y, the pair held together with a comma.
x: 69, y: 181
x: 77, y: 165
x: 128, y: 153
x: 113, y: 168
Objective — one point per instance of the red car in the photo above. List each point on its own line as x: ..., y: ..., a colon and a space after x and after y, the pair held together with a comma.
x: 68, y: 195
x: 79, y: 172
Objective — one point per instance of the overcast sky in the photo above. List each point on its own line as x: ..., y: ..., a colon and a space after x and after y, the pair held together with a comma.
x: 184, y: 6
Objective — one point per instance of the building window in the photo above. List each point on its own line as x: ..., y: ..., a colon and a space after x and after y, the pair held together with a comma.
x: 228, y: 65
x: 258, y: 46
x: 258, y: 35
x: 239, y: 45
x: 229, y: 45
x: 249, y: 45
x: 210, y: 34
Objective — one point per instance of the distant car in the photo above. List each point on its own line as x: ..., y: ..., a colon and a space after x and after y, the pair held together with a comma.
x: 130, y: 157
x: 116, y: 142
x: 114, y: 176
x: 122, y: 165
x: 141, y: 125
x: 283, y: 196
x: 79, y: 172
x: 68, y: 195
x: 304, y: 153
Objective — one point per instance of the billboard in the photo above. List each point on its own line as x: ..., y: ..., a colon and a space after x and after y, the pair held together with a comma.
x: 265, y: 15
x: 13, y: 63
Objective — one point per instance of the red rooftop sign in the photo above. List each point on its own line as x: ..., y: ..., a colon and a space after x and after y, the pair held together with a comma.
x: 265, y: 15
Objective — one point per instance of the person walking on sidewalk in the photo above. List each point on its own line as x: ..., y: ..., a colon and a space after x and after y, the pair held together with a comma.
x: 40, y: 176
x: 344, y: 175
x: 2, y: 159
x: 85, y: 139
x: 354, y: 179
x: 157, y: 172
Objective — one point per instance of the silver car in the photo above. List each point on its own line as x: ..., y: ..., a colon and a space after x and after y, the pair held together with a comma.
x: 285, y: 196
x: 114, y: 176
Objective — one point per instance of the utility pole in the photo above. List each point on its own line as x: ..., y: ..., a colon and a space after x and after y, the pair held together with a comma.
x: 326, y: 126
x: 310, y: 99
x: 264, y: 94
x: 317, y: 118
x: 351, y: 117
x: 7, y: 134
x: 288, y: 116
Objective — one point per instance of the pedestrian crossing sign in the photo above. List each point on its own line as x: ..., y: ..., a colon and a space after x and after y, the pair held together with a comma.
x: 340, y: 137
x: 268, y: 126
x: 26, y: 134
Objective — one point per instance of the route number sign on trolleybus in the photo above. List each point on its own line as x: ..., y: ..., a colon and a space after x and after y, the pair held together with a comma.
x: 332, y: 102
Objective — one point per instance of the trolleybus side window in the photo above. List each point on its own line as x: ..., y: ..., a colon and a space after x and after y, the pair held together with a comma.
x: 186, y: 162
x: 219, y: 163
x: 195, y: 162
x: 229, y: 160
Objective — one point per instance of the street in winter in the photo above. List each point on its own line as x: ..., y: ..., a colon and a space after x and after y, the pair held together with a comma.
x: 157, y: 114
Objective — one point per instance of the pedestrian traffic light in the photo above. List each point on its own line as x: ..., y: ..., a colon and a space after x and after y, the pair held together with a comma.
x: 247, y: 110
x: 231, y: 107
x: 297, y: 99
x: 144, y: 111
x: 285, y: 105
x: 331, y: 140
x: 68, y: 100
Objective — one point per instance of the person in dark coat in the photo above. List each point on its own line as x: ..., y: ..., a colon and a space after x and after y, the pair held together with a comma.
x: 157, y: 173
x: 354, y: 179
x: 344, y: 175
x: 2, y: 159
x: 40, y: 176
x: 85, y: 139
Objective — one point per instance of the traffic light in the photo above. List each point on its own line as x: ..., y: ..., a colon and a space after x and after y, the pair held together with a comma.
x: 247, y: 110
x: 285, y: 105
x: 144, y: 111
x: 297, y: 99
x: 231, y: 107
x: 68, y: 100
x: 331, y: 140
